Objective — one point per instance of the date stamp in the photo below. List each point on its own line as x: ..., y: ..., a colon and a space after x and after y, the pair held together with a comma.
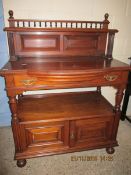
x: 100, y: 158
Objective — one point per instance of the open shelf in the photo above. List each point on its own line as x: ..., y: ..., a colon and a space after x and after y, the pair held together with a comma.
x: 63, y: 106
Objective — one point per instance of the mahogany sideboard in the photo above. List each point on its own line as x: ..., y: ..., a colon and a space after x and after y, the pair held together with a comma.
x: 55, y: 54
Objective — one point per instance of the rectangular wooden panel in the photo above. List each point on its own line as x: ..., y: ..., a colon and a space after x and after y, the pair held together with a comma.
x: 91, y: 132
x: 59, y: 44
x: 49, y: 134
x: 85, y: 44
x: 38, y: 44
x: 45, y: 135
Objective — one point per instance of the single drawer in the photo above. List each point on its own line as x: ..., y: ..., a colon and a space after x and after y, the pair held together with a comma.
x: 71, y: 80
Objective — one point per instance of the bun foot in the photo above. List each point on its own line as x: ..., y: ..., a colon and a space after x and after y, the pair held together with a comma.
x: 21, y: 163
x: 110, y: 150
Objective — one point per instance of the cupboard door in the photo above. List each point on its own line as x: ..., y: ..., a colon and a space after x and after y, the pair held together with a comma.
x: 48, y: 136
x: 91, y: 132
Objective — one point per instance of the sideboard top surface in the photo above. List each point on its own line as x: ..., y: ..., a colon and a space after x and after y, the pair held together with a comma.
x: 63, y: 65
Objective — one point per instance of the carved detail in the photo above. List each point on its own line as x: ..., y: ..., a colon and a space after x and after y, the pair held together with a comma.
x: 11, y: 14
x: 15, y: 123
x: 106, y: 16
x: 58, y: 23
x: 11, y: 19
x: 99, y: 89
x: 106, y: 22
x: 110, y: 44
x: 119, y: 96
x: 12, y: 48
x: 13, y: 107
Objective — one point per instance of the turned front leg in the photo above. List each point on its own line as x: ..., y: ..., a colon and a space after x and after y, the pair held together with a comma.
x: 118, y: 99
x: 16, y: 128
x: 14, y: 121
x: 13, y: 107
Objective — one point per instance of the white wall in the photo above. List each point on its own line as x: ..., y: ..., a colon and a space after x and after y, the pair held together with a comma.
x: 119, y: 11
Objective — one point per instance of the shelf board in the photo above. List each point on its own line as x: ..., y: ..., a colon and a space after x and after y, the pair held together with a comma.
x: 65, y: 106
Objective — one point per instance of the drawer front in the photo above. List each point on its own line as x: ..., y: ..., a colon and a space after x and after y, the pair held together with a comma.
x: 77, y: 80
x: 48, y: 136
x: 91, y: 132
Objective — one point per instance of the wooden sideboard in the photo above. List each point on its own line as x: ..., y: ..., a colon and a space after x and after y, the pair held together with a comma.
x: 47, y: 54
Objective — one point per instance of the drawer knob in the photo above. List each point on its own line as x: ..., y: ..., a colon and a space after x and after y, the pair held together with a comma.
x: 72, y: 136
x: 111, y: 77
x: 28, y: 82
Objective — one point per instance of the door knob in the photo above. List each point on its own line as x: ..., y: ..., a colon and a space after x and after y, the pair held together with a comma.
x: 72, y: 136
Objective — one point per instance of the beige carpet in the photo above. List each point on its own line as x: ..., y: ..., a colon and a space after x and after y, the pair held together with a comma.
x: 102, y: 164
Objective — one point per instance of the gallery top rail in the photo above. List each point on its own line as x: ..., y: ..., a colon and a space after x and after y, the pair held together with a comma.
x: 60, y: 24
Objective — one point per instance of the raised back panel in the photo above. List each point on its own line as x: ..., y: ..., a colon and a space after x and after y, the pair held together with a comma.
x: 59, y: 43
x: 40, y: 38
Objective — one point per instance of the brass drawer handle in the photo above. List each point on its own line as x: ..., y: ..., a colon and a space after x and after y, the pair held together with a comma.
x: 111, y: 77
x: 28, y: 82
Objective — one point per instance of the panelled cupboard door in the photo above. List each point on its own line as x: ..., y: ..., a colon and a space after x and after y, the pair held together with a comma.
x: 44, y: 135
x: 63, y: 135
x: 96, y: 131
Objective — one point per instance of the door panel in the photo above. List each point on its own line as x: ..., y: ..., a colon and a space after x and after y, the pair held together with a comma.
x: 91, y: 132
x: 51, y: 135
